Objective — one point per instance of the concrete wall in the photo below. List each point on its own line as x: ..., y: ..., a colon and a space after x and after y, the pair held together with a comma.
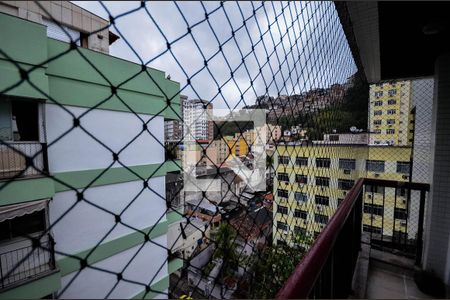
x: 437, y: 232
x: 114, y: 129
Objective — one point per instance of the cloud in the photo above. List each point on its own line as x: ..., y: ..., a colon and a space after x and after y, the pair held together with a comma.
x: 283, y: 47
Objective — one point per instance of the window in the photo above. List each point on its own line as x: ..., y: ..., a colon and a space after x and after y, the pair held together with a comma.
x: 377, y: 131
x: 390, y: 131
x: 60, y: 32
x: 282, y: 226
x: 392, y: 102
x: 379, y: 94
x: 282, y: 210
x: 322, y: 200
x: 377, y: 122
x: 373, y: 209
x: 283, y: 160
x: 347, y: 164
x: 22, y: 226
x: 323, y: 162
x: 316, y: 234
x: 371, y: 229
x: 377, y: 113
x: 323, y: 219
x: 378, y: 103
x: 322, y: 181
x: 375, y: 165
x: 375, y: 189
x: 400, y: 213
x: 283, y: 177
x: 300, y: 214
x: 282, y: 193
x: 301, y: 178
x: 301, y: 161
x: 18, y: 120
x: 403, y: 167
x: 392, y: 92
x: 390, y: 122
x: 345, y: 184
x: 300, y: 231
x: 391, y: 112
x: 302, y: 197
x: 334, y: 138
x: 401, y: 192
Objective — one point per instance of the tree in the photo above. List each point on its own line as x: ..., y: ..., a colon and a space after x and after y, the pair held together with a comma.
x: 226, y: 250
x: 271, y: 267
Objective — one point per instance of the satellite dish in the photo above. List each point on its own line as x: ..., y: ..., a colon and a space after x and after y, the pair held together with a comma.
x: 353, y: 129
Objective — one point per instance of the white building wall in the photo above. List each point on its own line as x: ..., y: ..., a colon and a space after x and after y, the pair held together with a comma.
x: 78, y: 151
x: 148, y: 266
x: 85, y: 225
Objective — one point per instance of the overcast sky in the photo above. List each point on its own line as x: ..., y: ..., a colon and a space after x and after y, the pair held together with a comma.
x: 305, y: 44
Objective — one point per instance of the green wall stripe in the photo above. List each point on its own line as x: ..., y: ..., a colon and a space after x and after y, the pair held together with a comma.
x: 69, y: 264
x: 159, y: 286
x: 175, y: 264
x: 174, y: 216
x: 23, y: 40
x: 87, y: 94
x: 24, y: 190
x: 73, y: 81
x: 35, y: 289
x: 80, y: 179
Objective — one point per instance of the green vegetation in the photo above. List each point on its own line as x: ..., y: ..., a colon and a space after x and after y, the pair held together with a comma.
x: 272, y: 266
x: 226, y: 249
x: 232, y: 127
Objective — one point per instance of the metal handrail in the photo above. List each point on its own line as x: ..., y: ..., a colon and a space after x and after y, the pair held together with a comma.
x: 303, y: 279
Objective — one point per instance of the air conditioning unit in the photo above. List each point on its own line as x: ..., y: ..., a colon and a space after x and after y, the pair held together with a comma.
x: 347, y: 171
x: 369, y: 196
x: 404, y: 201
x: 377, y: 175
x: 405, y: 176
x: 403, y: 223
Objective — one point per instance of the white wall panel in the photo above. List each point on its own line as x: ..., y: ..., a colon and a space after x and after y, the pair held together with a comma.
x: 78, y: 151
x: 85, y: 225
x: 149, y: 266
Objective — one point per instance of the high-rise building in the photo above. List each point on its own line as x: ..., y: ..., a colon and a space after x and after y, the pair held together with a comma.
x: 312, y: 180
x: 198, y: 124
x: 390, y: 113
x: 173, y: 129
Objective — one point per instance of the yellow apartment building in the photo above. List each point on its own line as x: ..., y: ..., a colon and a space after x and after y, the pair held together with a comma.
x: 390, y: 117
x: 311, y: 181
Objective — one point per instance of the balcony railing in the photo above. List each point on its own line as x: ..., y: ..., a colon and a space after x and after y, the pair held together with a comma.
x: 23, y: 263
x: 20, y: 159
x: 326, y: 270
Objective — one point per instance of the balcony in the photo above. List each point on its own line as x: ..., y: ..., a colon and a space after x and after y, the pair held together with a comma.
x: 22, y: 159
x: 347, y: 261
x: 21, y: 262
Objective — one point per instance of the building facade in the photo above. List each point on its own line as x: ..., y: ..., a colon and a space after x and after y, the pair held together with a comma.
x: 52, y: 117
x: 198, y: 124
x: 390, y: 113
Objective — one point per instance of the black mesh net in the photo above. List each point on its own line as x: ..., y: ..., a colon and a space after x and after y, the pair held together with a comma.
x: 94, y: 149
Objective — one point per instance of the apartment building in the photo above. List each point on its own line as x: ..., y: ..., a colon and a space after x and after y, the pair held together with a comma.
x: 390, y: 113
x: 198, y: 124
x: 173, y: 129
x: 55, y: 240
x: 311, y: 181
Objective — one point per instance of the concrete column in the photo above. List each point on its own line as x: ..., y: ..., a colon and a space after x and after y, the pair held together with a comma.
x: 437, y: 228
